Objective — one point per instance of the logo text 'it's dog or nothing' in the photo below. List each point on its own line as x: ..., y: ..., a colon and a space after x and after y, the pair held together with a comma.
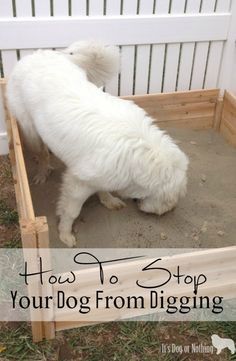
x: 217, y: 342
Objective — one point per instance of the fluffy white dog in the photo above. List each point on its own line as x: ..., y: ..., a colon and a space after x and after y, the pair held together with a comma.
x: 108, y: 144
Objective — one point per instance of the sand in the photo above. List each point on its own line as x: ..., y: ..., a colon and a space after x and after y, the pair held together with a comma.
x: 206, y: 217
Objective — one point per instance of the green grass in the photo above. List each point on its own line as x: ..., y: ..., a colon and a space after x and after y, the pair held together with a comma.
x: 124, y: 341
x: 16, y: 340
x: 8, y: 216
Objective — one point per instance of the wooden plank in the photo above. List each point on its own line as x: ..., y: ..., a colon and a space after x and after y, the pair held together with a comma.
x: 27, y: 210
x: 193, y: 109
x: 44, y: 252
x: 197, y: 123
x: 228, y: 133
x: 230, y: 98
x: 60, y: 326
x: 29, y: 245
x: 228, y: 123
x: 195, y: 96
x: 218, y: 113
x: 187, y: 111
x: 217, y: 264
x: 142, y: 29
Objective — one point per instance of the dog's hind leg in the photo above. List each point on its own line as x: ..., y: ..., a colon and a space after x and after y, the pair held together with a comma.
x: 73, y: 195
x: 109, y: 201
x: 44, y: 167
x: 35, y: 145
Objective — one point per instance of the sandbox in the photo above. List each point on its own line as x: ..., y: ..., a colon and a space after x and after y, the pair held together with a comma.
x: 205, y: 218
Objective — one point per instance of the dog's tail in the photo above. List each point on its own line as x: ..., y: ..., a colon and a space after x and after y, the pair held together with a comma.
x: 100, y: 62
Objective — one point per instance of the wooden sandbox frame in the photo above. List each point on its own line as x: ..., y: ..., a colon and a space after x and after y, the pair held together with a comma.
x: 203, y: 109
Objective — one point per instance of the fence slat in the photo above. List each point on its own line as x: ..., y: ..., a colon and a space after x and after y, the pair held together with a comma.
x: 208, y: 6
x: 60, y: 8
x: 162, y: 7
x: 78, y: 7
x: 187, y: 53
x: 9, y: 57
x: 227, y: 78
x: 200, y: 61
x: 95, y: 7
x: 173, y: 53
x: 171, y: 66
x: 3, y: 133
x: 127, y: 55
x: 158, y: 54
x: 24, y: 9
x: 202, y: 52
x: 113, y: 8
x: 185, y: 68
x: 213, y: 65
x: 6, y: 8
x: 157, y: 65
x: 223, y: 5
x: 42, y: 7
x: 142, y: 69
x: 143, y: 55
x: 193, y: 6
x: 216, y: 52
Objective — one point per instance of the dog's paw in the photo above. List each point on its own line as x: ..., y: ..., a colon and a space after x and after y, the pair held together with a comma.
x: 113, y: 203
x: 42, y: 176
x: 68, y: 238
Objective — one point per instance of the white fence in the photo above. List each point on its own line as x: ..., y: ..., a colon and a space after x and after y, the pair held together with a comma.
x: 166, y: 45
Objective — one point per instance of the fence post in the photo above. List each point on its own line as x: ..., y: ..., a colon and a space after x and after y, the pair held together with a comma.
x: 3, y: 132
x: 227, y: 77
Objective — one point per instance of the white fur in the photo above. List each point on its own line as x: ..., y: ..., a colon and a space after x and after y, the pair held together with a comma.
x: 108, y: 144
x: 221, y: 343
x: 100, y: 62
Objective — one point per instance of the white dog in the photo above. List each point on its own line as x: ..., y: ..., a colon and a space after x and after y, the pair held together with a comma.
x: 221, y: 343
x: 108, y: 144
